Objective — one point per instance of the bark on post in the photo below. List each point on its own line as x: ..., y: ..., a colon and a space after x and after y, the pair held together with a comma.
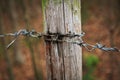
x: 64, y: 60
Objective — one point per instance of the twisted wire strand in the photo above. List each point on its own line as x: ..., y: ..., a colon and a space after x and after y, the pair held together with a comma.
x: 73, y: 38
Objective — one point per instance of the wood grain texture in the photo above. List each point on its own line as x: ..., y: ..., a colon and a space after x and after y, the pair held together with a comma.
x: 64, y: 60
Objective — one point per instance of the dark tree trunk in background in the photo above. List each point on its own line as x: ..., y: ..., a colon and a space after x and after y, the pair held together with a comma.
x: 4, y: 51
x: 19, y: 59
x: 64, y: 60
x: 111, y: 17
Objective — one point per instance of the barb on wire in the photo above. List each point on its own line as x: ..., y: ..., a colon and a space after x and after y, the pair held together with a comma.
x: 73, y: 38
x: 22, y: 32
x: 11, y: 43
x: 104, y: 48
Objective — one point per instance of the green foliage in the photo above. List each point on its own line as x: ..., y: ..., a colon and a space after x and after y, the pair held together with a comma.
x: 57, y: 1
x: 88, y: 77
x: 44, y: 3
x: 91, y: 62
x: 84, y: 12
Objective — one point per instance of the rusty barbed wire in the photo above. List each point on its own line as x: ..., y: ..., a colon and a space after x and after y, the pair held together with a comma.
x: 54, y: 37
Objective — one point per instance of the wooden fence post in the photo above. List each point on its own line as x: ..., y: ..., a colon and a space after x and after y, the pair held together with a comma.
x: 64, y: 60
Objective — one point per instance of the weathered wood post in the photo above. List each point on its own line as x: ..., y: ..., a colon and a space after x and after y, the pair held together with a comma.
x: 64, y: 60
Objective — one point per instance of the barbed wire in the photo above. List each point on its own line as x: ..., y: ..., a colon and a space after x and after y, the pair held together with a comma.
x: 55, y: 37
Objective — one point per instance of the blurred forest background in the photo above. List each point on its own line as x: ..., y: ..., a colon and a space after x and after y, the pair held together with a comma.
x: 25, y: 60
x: 101, y: 22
